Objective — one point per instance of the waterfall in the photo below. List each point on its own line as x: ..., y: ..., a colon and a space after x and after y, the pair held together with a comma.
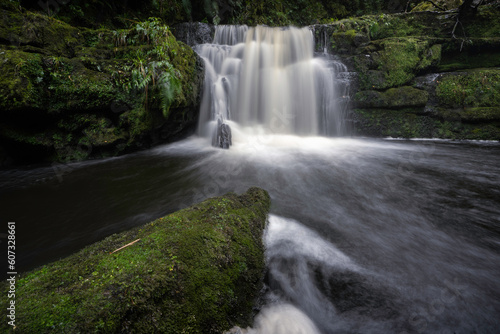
x: 269, y: 77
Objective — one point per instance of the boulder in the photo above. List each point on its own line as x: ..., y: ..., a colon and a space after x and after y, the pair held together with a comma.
x: 198, y: 270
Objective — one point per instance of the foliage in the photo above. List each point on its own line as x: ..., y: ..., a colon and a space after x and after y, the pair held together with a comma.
x: 155, y: 75
x: 437, y: 5
x: 152, y: 71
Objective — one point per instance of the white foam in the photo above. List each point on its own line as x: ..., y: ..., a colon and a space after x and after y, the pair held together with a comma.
x: 304, y: 242
x: 283, y: 319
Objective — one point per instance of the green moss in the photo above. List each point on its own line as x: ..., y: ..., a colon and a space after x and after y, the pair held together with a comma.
x: 479, y: 88
x: 406, y: 123
x: 400, y: 97
x: 125, y: 84
x: 423, y: 6
x: 26, y: 136
x: 195, y: 271
x: 485, y: 24
x: 475, y: 115
x: 19, y: 83
x: 398, y: 59
x: 392, y: 123
x: 442, y: 5
x: 479, y: 53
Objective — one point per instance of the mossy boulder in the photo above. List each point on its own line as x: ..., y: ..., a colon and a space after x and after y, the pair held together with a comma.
x: 485, y: 23
x: 198, y: 270
x: 402, y: 123
x: 74, y: 93
x: 394, y: 62
x: 474, y: 88
x: 39, y: 32
x: 409, y: 123
x: 472, y: 53
x: 400, y: 97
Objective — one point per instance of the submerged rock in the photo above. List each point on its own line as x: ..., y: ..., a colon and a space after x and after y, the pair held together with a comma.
x: 197, y: 270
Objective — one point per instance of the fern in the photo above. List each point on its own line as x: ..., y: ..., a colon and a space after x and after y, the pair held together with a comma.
x: 170, y: 85
x: 151, y: 71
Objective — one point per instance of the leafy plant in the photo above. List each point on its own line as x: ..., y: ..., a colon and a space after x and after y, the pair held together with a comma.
x: 150, y: 76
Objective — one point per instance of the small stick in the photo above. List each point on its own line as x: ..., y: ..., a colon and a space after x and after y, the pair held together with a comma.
x: 133, y: 242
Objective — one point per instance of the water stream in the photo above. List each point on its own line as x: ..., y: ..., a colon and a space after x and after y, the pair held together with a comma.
x: 269, y: 78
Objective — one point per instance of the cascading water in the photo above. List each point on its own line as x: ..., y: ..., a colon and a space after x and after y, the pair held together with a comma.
x: 268, y: 78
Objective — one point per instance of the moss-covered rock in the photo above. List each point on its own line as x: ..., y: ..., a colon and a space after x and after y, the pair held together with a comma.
x: 485, y: 23
x: 437, y: 5
x: 398, y: 51
x: 394, y: 62
x: 400, y: 97
x: 198, y: 270
x: 474, y: 88
x: 409, y: 123
x: 403, y: 123
x: 111, y: 92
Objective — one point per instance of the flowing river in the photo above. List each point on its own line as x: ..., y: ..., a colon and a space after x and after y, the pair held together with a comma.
x: 364, y: 235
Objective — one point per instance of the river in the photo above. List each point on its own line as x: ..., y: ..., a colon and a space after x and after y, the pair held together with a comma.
x: 364, y: 236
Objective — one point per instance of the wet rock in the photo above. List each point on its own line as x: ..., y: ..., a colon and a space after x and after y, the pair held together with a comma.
x: 194, y: 33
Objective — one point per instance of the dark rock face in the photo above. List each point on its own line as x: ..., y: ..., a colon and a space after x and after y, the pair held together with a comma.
x: 194, y: 33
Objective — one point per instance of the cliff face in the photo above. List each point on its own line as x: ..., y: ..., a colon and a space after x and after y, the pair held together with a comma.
x: 71, y: 93
x: 421, y: 74
x: 198, y: 270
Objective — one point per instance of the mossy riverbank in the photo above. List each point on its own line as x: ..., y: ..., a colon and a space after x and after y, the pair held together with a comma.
x: 71, y: 93
x: 197, y: 270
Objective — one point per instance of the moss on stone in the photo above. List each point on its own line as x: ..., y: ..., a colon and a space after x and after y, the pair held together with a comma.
x: 485, y: 23
x: 475, y: 88
x: 475, y: 53
x: 21, y: 73
x: 402, y: 123
x: 197, y: 270
x: 400, y: 97
x: 408, y: 123
x: 473, y: 115
x: 442, y: 5
x: 398, y: 59
x: 51, y: 71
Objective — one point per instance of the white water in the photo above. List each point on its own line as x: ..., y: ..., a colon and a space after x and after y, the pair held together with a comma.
x: 270, y: 78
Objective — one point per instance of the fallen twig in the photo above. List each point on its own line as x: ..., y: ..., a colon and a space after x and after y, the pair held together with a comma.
x: 116, y: 250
